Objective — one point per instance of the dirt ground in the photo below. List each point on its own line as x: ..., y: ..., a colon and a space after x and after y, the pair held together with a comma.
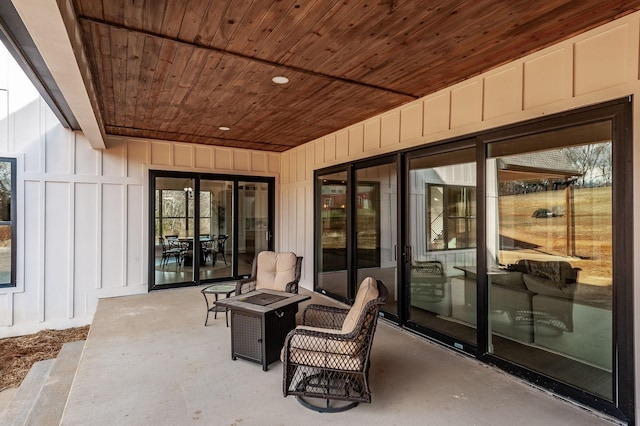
x: 19, y: 353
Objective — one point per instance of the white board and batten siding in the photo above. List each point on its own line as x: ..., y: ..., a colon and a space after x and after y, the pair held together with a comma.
x: 82, y: 213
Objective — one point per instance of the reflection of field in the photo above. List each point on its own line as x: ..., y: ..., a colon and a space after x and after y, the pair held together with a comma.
x: 5, y: 265
x: 593, y: 229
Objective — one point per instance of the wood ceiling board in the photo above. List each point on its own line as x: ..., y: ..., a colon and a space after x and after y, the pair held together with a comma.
x: 172, y: 67
x: 192, y: 86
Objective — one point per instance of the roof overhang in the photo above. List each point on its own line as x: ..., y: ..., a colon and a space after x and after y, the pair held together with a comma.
x: 48, y: 46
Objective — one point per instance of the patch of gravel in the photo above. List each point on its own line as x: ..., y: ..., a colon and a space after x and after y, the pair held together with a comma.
x: 19, y: 353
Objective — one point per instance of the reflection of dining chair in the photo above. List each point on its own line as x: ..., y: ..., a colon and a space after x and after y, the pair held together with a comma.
x: 328, y: 356
x: 221, y: 243
x: 168, y: 252
x: 273, y: 271
x: 207, y: 249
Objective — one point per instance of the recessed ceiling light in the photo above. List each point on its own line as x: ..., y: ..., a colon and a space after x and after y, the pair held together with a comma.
x: 224, y: 128
x: 280, y: 79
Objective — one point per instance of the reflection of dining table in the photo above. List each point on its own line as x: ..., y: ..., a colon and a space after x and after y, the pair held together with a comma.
x: 188, y: 242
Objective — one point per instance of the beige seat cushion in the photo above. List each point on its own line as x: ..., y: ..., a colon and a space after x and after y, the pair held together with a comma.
x: 325, y: 360
x: 367, y: 291
x: 275, y: 270
x: 324, y: 352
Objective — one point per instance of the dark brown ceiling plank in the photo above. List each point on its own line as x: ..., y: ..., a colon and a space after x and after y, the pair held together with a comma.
x: 114, y: 10
x: 261, y: 25
x: 164, y: 135
x: 165, y: 57
x: 211, y: 22
x: 102, y: 43
x: 152, y: 15
x: 230, y: 23
x: 190, y: 63
x: 253, y: 16
x: 134, y: 15
x: 192, y: 19
x: 135, y: 49
x: 323, y: 29
x: 259, y: 60
x: 119, y: 40
x: 172, y: 20
x: 148, y: 64
x: 293, y: 25
x: 88, y: 8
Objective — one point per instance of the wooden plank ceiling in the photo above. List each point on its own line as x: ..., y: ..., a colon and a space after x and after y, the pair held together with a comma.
x: 178, y: 70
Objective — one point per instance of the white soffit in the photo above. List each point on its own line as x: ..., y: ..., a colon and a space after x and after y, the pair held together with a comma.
x: 45, y: 24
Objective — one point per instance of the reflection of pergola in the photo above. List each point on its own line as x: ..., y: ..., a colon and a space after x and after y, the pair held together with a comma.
x: 539, y: 166
x: 536, y: 166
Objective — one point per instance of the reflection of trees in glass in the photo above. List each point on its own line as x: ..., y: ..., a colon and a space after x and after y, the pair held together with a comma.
x: 174, y: 212
x: 5, y: 191
x: 593, y: 161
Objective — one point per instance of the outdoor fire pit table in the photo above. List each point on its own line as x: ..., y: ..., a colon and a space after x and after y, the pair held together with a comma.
x: 260, y: 321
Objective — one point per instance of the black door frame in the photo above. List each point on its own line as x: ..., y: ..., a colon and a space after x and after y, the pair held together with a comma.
x: 620, y: 112
x: 197, y: 177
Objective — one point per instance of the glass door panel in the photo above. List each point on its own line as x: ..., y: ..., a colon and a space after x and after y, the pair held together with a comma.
x: 377, y: 228
x: 216, y: 199
x: 174, y: 212
x: 442, y: 238
x: 550, y: 296
x: 332, y: 238
x: 206, y: 228
x: 253, y: 223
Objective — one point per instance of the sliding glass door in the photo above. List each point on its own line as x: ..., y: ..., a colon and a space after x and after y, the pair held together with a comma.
x: 376, y: 227
x: 549, y: 202
x: 254, y: 230
x: 216, y: 229
x: 442, y: 246
x: 332, y: 229
x: 173, y: 230
x: 512, y: 245
x: 206, y: 228
x: 357, y: 229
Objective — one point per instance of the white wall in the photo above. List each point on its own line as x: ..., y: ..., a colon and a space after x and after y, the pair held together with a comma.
x: 82, y: 213
x: 599, y: 65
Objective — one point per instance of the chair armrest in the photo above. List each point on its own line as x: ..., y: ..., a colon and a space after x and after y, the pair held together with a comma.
x: 322, y: 316
x: 291, y: 287
x: 245, y: 286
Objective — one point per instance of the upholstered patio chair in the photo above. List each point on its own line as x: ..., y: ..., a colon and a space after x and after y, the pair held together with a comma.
x: 273, y: 271
x: 326, y: 359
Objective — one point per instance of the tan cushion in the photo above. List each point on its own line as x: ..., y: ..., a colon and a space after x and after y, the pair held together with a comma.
x: 275, y: 270
x: 325, y: 360
x: 367, y: 291
x: 323, y: 352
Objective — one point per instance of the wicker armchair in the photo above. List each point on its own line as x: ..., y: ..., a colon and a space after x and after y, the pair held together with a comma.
x: 327, y: 357
x: 273, y: 271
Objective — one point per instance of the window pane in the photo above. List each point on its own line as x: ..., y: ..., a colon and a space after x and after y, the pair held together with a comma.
x: 442, y: 286
x: 551, y: 299
x: 332, y: 206
x: 376, y: 228
x: 5, y: 254
x: 435, y: 239
x: 5, y: 191
x: 458, y: 234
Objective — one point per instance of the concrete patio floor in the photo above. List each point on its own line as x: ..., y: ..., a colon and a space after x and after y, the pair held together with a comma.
x: 149, y: 360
